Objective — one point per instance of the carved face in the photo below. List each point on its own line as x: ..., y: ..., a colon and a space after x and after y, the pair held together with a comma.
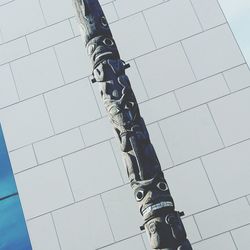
x: 153, y: 197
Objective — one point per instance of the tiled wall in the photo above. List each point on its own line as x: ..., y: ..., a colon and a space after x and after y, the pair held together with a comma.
x: 194, y: 91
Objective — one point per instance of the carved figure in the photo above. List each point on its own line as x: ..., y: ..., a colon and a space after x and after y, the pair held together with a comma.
x: 162, y: 223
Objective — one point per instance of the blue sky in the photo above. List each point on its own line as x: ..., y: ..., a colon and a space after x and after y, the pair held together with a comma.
x: 237, y: 14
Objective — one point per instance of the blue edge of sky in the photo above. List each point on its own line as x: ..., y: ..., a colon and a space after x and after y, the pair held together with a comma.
x: 13, y: 230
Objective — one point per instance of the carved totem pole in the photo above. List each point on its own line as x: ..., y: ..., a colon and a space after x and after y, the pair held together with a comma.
x: 162, y: 223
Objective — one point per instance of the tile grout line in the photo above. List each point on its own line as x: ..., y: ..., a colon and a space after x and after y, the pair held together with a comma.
x: 55, y: 228
x: 44, y: 18
x: 165, y: 142
x: 144, y: 243
x: 212, y: 187
x: 143, y: 84
x: 151, y: 35
x: 47, y: 108
x: 34, y: 151
x: 177, y: 100
x: 116, y: 12
x: 211, y: 114
x: 59, y: 66
x: 94, y: 94
x: 71, y: 27
x: 28, y: 45
x: 106, y: 213
x: 117, y: 163
x: 223, y: 75
x: 248, y: 201
x: 233, y: 240
x: 14, y: 80
x: 66, y: 172
x: 197, y: 226
x: 187, y: 57
x: 196, y: 14
x: 81, y: 134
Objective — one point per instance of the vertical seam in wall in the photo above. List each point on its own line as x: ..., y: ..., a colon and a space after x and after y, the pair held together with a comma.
x: 27, y: 43
x: 66, y: 172
x: 233, y: 240
x: 47, y: 108
x: 248, y: 201
x: 196, y: 78
x: 35, y: 153
x: 71, y: 27
x: 57, y: 236
x: 166, y: 144
x: 197, y: 226
x: 40, y: 4
x: 82, y: 136
x: 223, y: 75
x: 92, y: 88
x: 117, y: 163
x: 118, y: 17
x: 149, y: 29
x: 215, y: 124
x: 59, y: 65
x: 202, y: 163
x: 14, y: 80
x: 105, y: 211
x: 177, y: 100
x: 137, y: 68
x: 196, y: 14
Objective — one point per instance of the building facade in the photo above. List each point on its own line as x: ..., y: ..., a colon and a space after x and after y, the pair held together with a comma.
x: 192, y: 83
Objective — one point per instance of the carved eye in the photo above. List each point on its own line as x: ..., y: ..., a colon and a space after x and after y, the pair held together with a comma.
x: 108, y: 42
x: 91, y: 49
x: 139, y: 195
x: 104, y: 21
x: 162, y: 186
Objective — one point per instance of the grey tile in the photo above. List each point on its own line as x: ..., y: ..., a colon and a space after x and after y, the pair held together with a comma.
x: 191, y: 134
x: 73, y: 59
x: 238, y: 78
x: 97, y: 131
x: 110, y: 12
x: 49, y: 36
x: 209, y: 13
x: 223, y: 218
x: 178, y: 18
x: 37, y: 73
x: 43, y: 189
x: 13, y: 50
x: 72, y: 105
x: 231, y: 115
x: 160, y: 74
x: 42, y: 233
x: 136, y: 82
x: 213, y: 51
x: 22, y: 159
x: 159, y: 145
x: 55, y: 11
x: 17, y: 19
x: 241, y: 237
x: 8, y: 92
x: 58, y: 145
x: 92, y: 171
x: 192, y: 231
x: 131, y: 243
x: 25, y: 123
x: 190, y: 187
x: 159, y: 108
x: 223, y: 241
x: 83, y: 224
x: 202, y: 92
x: 121, y: 205
x: 125, y: 8
x: 228, y: 166
x: 136, y: 40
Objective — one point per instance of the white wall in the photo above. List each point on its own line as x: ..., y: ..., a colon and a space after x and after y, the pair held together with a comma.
x: 193, y: 87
